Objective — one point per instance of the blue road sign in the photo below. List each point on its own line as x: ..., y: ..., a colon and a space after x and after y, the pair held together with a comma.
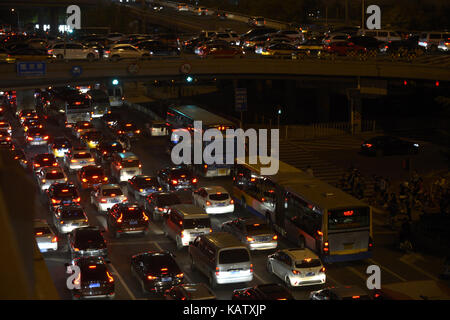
x: 76, y: 71
x: 29, y: 68
x: 240, y: 99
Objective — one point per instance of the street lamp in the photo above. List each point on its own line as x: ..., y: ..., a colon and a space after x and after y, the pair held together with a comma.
x: 279, y: 114
x: 18, y: 20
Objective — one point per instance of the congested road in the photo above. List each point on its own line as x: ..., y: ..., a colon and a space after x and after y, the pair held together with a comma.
x: 396, y: 267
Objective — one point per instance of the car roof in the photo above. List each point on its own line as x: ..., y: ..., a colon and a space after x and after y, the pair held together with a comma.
x: 110, y: 186
x: 190, y: 211
x: 127, y: 155
x: 298, y: 254
x: 215, y: 189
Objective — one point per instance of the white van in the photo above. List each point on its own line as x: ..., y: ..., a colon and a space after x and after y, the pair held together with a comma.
x: 222, y: 258
x: 431, y: 40
x: 381, y: 35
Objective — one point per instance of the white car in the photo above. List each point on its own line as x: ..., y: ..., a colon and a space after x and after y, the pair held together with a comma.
x: 48, y: 175
x: 78, y: 159
x: 335, y: 37
x: 67, y: 218
x: 117, y: 52
x: 444, y: 45
x: 5, y: 125
x: 230, y: 37
x: 215, y: 200
x: 73, y: 51
x: 297, y: 267
x: 45, y: 237
x: 106, y: 196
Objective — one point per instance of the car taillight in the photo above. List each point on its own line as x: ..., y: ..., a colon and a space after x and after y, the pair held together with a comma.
x: 102, y: 200
x: 326, y: 249
x: 72, y: 160
x: 217, y: 271
x: 54, y: 201
x: 231, y: 201
x: 370, y: 243
x: 46, y: 138
x: 295, y: 272
x: 275, y: 237
x: 54, y: 239
x: 194, y: 180
x: 120, y: 219
x: 180, y: 275
x: 174, y: 182
x: 110, y: 278
x: 84, y: 180
x: 144, y: 216
x: 125, y: 199
x: 150, y: 277
x: 30, y: 138
x: 76, y: 249
x: 322, y: 270
x: 161, y: 209
x: 368, y: 145
x: 250, y: 239
x: 105, y: 179
x: 208, y: 203
x: 77, y: 199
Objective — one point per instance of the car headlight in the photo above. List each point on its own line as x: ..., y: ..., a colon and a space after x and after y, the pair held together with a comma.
x: 416, y: 144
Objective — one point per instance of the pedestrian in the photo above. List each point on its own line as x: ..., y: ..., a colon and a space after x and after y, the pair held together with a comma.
x: 309, y: 171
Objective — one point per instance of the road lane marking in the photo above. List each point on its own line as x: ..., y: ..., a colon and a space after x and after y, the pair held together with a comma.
x: 122, y: 281
x: 356, y: 272
x: 334, y: 280
x: 405, y: 258
x: 387, y: 269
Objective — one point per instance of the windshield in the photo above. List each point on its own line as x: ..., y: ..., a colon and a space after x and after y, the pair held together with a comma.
x: 89, y: 273
x: 197, y: 223
x: 82, y: 155
x: 54, y: 175
x: 219, y: 196
x: 130, y: 163
x: 42, y: 231
x: 72, y: 214
x: 308, y: 263
x: 229, y: 256
x: 68, y: 192
x: 132, y: 214
x: 112, y: 192
x: 180, y: 174
x: 258, y: 228
x: 348, y: 218
x: 146, y: 183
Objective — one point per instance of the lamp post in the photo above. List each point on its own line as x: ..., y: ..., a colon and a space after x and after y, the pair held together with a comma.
x: 18, y: 19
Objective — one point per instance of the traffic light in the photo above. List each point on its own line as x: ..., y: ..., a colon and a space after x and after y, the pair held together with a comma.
x: 115, y: 82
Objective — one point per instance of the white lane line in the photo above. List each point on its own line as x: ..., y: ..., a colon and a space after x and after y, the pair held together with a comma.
x: 387, y: 269
x: 259, y: 278
x: 334, y: 280
x: 412, y: 265
x: 356, y: 272
x: 122, y: 282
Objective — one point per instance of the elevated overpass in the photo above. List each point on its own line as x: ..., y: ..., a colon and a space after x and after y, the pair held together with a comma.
x: 60, y: 72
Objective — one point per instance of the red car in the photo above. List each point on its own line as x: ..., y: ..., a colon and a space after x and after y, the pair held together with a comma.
x: 221, y: 51
x: 343, y: 48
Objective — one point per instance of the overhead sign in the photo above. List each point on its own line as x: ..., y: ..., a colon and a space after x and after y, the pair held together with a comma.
x: 185, y: 68
x: 76, y: 71
x: 29, y: 68
x: 240, y: 99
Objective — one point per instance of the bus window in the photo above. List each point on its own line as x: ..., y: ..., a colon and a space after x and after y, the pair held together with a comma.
x: 348, y: 218
x: 307, y: 219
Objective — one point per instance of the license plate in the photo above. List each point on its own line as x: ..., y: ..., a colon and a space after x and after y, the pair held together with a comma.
x: 234, y: 271
x: 133, y: 222
x: 310, y: 274
x: 94, y: 285
x: 114, y: 200
x: 221, y: 204
x: 38, y: 138
x: 222, y: 171
x: 82, y: 162
x: 166, y: 279
x: 130, y: 134
x: 130, y: 172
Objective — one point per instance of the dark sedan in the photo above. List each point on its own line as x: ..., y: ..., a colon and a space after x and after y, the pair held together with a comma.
x: 156, y: 271
x: 158, y: 204
x: 87, y: 241
x: 388, y: 145
x: 269, y: 291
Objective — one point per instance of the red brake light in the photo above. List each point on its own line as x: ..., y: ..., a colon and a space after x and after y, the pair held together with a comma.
x: 54, y: 239
x: 348, y: 213
x: 92, y: 267
x: 275, y: 237
x: 194, y: 180
x: 208, y: 203
x: 110, y: 278
x: 174, y: 182
x: 120, y: 219
x: 150, y: 277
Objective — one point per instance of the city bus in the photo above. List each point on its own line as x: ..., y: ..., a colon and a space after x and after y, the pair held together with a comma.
x: 183, y: 117
x: 306, y: 210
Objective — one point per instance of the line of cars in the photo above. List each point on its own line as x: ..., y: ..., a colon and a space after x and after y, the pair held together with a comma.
x: 223, y: 256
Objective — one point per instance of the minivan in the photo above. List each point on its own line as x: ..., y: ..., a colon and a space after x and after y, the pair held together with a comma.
x: 185, y: 222
x: 381, y: 35
x: 431, y: 40
x: 222, y: 258
x: 125, y: 165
